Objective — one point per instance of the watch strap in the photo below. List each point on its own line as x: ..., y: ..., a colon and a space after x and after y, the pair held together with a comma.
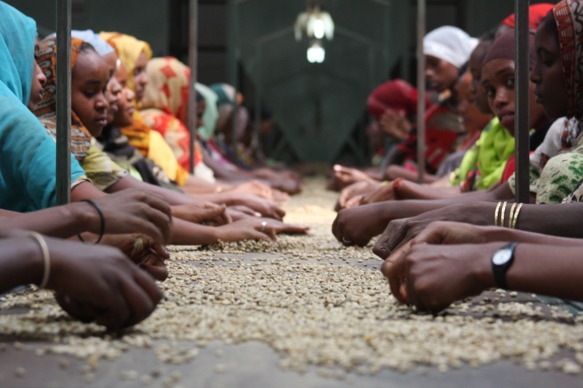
x: 499, y: 270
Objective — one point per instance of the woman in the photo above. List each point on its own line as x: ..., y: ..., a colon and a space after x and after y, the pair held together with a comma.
x: 90, y: 77
x: 101, y: 278
x: 545, y: 188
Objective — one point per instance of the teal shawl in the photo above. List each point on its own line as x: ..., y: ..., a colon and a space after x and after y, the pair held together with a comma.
x: 27, y: 152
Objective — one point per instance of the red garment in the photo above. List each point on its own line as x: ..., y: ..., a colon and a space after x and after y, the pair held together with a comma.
x: 397, y: 95
x: 440, y: 137
x: 536, y: 13
x: 509, y: 169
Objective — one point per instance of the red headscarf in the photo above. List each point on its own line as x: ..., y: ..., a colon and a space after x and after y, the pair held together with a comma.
x: 397, y: 95
x: 536, y: 13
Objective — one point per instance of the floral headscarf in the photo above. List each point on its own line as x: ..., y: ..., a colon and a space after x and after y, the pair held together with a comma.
x: 46, y: 109
x: 568, y: 16
x: 168, y: 87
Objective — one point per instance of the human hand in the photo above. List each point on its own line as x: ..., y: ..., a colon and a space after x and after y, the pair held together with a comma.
x: 206, y: 213
x: 431, y: 277
x: 381, y: 193
x: 356, y: 226
x: 143, y: 251
x: 95, y: 283
x: 350, y: 196
x: 399, y: 231
x: 347, y: 175
x: 261, y: 190
x: 278, y: 227
x: 395, y: 123
x: 251, y: 228
x: 265, y: 207
x: 133, y: 211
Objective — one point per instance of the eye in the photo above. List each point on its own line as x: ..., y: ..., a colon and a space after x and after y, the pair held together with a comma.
x: 510, y: 83
x: 90, y: 93
x: 490, y: 92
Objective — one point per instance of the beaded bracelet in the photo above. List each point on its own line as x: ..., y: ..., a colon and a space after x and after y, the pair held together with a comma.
x: 101, y: 217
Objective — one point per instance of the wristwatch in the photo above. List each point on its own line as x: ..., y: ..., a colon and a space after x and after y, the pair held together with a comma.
x: 502, y: 260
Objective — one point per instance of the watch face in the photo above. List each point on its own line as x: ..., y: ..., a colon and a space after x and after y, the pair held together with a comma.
x: 502, y: 256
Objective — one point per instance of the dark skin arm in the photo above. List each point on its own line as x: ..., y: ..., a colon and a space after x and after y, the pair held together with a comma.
x: 99, y: 283
x: 358, y: 225
x: 451, y: 261
x: 128, y: 212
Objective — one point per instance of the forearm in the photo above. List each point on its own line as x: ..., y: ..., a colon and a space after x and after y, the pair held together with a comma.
x: 505, y: 234
x: 170, y: 196
x: 21, y: 262
x: 547, y: 269
x: 411, y: 190
x: 556, y: 219
x: 188, y: 233
x: 60, y: 221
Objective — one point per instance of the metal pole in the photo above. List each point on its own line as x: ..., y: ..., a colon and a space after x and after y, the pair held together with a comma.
x: 420, y: 90
x: 63, y: 186
x: 192, y: 63
x: 522, y: 123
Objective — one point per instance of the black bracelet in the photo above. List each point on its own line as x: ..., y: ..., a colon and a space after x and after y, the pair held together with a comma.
x: 101, y: 217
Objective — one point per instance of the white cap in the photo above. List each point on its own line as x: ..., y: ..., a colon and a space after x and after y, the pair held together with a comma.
x: 450, y: 44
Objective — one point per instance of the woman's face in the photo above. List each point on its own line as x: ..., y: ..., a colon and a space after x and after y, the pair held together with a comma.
x: 39, y: 80
x: 124, y: 116
x: 548, y: 75
x: 474, y: 120
x: 498, y: 83
x: 475, y: 66
x: 440, y: 74
x: 88, y: 88
x: 140, y: 76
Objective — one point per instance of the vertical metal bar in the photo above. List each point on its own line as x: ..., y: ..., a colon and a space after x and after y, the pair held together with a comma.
x: 420, y: 90
x: 256, y: 140
x: 192, y: 63
x: 63, y: 188
x: 522, y: 122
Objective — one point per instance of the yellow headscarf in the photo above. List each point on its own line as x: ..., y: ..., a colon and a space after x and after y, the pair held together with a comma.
x: 128, y: 49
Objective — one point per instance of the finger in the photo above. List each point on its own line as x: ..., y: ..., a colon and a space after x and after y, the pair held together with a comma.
x: 149, y: 286
x: 116, y: 311
x: 354, y: 201
x: 394, y: 269
x: 138, y: 301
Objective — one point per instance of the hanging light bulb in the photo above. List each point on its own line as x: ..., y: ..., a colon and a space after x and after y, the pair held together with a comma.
x: 316, y: 53
x: 316, y: 24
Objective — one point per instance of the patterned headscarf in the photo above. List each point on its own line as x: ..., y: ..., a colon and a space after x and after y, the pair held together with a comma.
x: 46, y: 109
x: 128, y: 49
x: 168, y: 87
x: 568, y: 16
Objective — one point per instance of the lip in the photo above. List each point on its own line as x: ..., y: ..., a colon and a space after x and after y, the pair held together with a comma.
x: 130, y: 110
x: 102, y: 121
x: 507, y: 119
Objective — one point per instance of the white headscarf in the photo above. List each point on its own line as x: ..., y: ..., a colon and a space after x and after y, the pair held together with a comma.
x: 101, y: 46
x: 450, y: 44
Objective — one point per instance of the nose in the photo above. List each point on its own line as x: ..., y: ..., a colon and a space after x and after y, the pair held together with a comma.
x: 129, y: 93
x: 101, y: 102
x: 535, y: 77
x: 500, y: 99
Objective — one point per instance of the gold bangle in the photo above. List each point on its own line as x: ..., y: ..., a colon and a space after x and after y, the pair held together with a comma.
x: 515, y: 218
x: 496, y: 213
x: 511, y: 214
x: 503, y: 213
x: 46, y: 257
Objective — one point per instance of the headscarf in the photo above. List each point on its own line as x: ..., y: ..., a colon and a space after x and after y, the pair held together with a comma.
x: 165, y: 106
x: 226, y: 101
x: 397, y: 95
x: 211, y: 113
x: 101, y: 46
x: 536, y: 13
x: 168, y: 87
x: 503, y: 48
x: 568, y: 17
x: 27, y: 153
x: 46, y: 109
x: 128, y: 49
x: 450, y: 44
